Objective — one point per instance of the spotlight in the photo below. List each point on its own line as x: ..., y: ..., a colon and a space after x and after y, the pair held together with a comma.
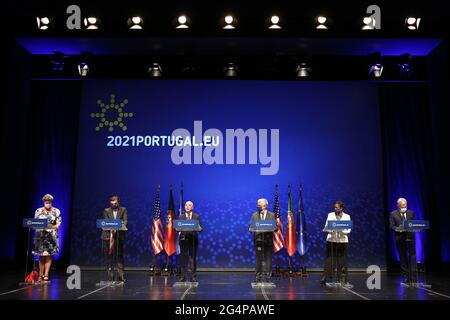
x: 376, y: 68
x: 135, y: 23
x: 57, y: 62
x: 303, y: 70
x: 320, y: 22
x: 91, y: 23
x: 231, y: 70
x: 43, y: 23
x: 369, y: 23
x: 155, y: 70
x: 405, y: 67
x: 412, y: 23
x: 274, y: 23
x: 83, y: 69
x: 230, y: 22
x: 182, y: 22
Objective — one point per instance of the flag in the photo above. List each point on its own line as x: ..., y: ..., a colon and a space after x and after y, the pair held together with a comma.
x: 180, y: 212
x: 278, y: 239
x: 157, y: 237
x: 301, y: 226
x: 171, y: 238
x: 290, y: 228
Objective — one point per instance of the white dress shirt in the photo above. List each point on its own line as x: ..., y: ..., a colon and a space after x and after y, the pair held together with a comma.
x: 341, y: 235
x: 263, y: 214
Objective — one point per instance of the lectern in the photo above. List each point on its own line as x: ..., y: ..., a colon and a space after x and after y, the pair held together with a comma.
x: 412, y: 227
x: 110, y: 254
x: 259, y: 228
x: 336, y: 227
x: 30, y: 225
x: 187, y: 226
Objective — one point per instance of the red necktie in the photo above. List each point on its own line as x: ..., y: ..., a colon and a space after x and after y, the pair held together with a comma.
x: 189, y: 216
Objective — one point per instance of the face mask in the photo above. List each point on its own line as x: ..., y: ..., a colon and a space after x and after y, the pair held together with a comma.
x: 403, y: 210
x: 47, y: 205
x: 337, y: 211
x: 115, y: 207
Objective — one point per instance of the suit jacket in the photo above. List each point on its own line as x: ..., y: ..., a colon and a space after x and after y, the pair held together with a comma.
x: 195, y: 216
x: 122, y: 215
x: 396, y: 220
x: 266, y: 236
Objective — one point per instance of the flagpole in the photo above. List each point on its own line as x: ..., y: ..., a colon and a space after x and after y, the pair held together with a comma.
x: 180, y: 212
x: 301, y: 236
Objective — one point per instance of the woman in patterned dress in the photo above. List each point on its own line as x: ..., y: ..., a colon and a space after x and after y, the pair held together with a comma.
x: 46, y: 241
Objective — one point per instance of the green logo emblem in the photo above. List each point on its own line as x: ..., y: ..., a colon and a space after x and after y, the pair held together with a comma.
x: 111, y: 115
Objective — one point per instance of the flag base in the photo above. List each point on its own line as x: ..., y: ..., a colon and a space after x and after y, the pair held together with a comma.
x: 109, y: 283
x: 37, y: 283
x: 185, y: 284
x: 415, y: 285
x: 339, y: 285
x: 263, y: 285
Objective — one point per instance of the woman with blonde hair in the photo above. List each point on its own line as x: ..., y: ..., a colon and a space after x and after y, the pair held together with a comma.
x: 46, y: 241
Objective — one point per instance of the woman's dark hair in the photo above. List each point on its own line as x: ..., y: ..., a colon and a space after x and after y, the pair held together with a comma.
x: 339, y: 203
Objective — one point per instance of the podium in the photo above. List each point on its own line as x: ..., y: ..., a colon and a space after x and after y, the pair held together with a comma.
x: 32, y: 225
x: 412, y: 227
x: 336, y: 227
x: 187, y: 226
x: 110, y: 256
x: 259, y: 228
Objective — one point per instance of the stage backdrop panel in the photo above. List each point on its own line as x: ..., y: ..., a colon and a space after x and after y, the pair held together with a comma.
x: 324, y: 135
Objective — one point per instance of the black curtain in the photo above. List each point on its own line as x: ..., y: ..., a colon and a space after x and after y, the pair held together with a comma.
x: 49, y: 166
x: 407, y: 153
x: 39, y: 127
x: 14, y: 122
x: 439, y: 85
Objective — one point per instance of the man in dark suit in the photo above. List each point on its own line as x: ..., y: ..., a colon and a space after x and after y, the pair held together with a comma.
x: 404, y: 241
x: 263, y: 243
x: 116, y: 238
x: 189, y: 243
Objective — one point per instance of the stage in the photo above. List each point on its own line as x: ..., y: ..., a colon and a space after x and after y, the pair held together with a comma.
x: 222, y: 286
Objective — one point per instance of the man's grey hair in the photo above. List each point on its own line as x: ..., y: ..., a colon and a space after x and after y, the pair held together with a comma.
x: 263, y: 200
x: 190, y: 203
x: 401, y: 200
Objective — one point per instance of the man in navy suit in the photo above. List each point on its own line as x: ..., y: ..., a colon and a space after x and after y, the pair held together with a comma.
x: 404, y: 241
x: 115, y: 211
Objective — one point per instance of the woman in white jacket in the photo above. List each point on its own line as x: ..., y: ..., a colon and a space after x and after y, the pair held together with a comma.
x: 337, y: 243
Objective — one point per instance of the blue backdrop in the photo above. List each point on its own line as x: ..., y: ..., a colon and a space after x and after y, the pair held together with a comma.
x: 329, y: 141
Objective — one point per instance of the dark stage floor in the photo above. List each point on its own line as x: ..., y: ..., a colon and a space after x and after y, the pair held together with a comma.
x: 222, y: 286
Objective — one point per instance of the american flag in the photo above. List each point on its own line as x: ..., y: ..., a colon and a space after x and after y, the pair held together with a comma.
x: 157, y: 236
x: 278, y: 239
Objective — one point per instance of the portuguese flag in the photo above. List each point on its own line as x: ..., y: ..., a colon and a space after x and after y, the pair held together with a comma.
x: 170, y: 242
x: 290, y: 228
